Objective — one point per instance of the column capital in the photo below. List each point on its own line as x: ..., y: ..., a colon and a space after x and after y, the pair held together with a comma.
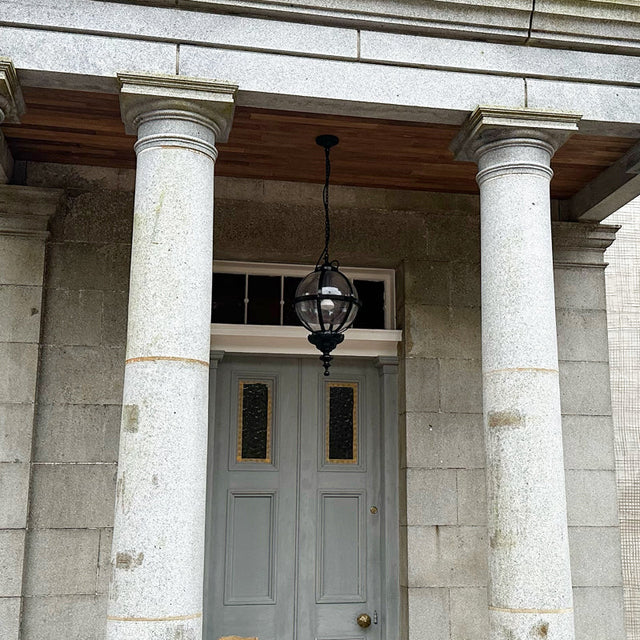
x: 494, y: 124
x: 11, y: 100
x: 208, y: 102
x: 25, y: 211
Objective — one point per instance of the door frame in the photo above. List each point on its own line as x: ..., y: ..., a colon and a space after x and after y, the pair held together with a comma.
x: 390, y: 478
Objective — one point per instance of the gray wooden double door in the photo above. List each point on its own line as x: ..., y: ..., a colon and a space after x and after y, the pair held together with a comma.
x: 294, y: 533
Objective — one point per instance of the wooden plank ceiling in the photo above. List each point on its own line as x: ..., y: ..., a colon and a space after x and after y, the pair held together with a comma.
x: 85, y: 128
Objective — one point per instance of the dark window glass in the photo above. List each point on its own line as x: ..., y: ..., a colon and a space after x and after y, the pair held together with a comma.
x: 255, y: 423
x: 371, y: 313
x: 228, y: 298
x: 342, y: 428
x: 264, y: 300
x: 289, y: 316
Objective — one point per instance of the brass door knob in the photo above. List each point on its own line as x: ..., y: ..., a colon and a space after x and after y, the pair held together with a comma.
x: 364, y: 620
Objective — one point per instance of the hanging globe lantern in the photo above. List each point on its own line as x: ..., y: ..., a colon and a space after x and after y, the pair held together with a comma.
x: 326, y: 302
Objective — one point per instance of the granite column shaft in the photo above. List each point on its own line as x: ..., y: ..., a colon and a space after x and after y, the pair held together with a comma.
x: 156, y: 587
x: 530, y: 592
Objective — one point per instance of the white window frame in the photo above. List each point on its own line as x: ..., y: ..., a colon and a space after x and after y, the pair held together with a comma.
x: 288, y: 340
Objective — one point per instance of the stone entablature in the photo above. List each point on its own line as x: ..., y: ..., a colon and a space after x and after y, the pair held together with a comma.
x: 575, y: 24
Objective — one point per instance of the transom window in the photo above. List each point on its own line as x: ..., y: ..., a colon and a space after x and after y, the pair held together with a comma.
x: 263, y: 294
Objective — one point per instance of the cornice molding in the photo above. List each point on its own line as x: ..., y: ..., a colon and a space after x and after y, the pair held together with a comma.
x: 489, y: 124
x: 11, y: 100
x: 142, y: 94
x: 581, y: 244
x: 25, y: 211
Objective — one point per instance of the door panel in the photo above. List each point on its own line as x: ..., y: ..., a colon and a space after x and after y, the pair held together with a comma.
x: 293, y: 545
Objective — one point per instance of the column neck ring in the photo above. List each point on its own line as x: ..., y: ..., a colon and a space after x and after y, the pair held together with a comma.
x: 175, y: 127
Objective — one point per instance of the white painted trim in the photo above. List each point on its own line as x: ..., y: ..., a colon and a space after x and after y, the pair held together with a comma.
x: 387, y: 276
x: 262, y: 339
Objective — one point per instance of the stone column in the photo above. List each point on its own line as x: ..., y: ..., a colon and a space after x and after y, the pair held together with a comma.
x: 24, y: 216
x: 11, y: 108
x: 530, y: 592
x: 156, y: 588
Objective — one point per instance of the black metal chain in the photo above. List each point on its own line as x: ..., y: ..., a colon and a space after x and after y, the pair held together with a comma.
x: 324, y: 256
x: 325, y: 201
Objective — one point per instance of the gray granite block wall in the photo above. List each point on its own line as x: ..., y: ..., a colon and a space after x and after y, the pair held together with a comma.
x: 432, y: 240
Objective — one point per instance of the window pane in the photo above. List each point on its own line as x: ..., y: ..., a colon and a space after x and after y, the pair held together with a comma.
x: 371, y: 313
x: 264, y: 300
x: 254, y: 421
x: 228, y: 298
x: 289, y: 313
x: 341, y: 437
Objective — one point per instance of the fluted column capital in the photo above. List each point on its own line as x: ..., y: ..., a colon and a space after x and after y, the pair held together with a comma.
x: 11, y: 100
x: 487, y: 127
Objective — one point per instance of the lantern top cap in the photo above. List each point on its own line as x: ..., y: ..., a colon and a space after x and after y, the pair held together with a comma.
x: 327, y: 141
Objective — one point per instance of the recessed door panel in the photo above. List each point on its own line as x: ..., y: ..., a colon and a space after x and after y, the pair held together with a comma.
x: 341, y: 553
x: 251, y: 534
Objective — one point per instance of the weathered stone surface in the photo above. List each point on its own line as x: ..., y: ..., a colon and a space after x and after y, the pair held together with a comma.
x: 599, y: 613
x: 114, y: 318
x: 447, y: 556
x: 79, y: 54
x: 10, y: 618
x: 455, y: 238
x: 96, y: 216
x: 429, y: 613
x: 383, y: 86
x: 78, y: 178
x: 81, y: 375
x: 431, y: 496
x: 591, y: 498
x: 588, y: 442
x: 104, y: 561
x: 14, y: 489
x: 465, y: 284
x: 461, y: 386
x: 244, y: 231
x: 21, y: 261
x: 88, y: 266
x: 472, y: 497
x: 579, y: 288
x: 595, y: 556
x: 444, y: 440
x: 11, y: 558
x: 155, y: 23
x: 72, y: 617
x: 427, y: 282
x: 442, y: 332
x: 20, y: 312
x: 582, y: 335
x: 77, y: 433
x: 499, y: 58
x: 585, y: 388
x: 73, y: 495
x: 16, y: 423
x: 419, y: 385
x: 469, y: 613
x: 73, y: 317
x: 61, y: 561
x: 18, y: 371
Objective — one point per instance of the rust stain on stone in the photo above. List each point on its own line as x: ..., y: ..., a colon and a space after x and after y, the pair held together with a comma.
x: 504, y: 418
x: 501, y: 540
x: 130, y: 417
x: 542, y: 630
x: 127, y: 561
